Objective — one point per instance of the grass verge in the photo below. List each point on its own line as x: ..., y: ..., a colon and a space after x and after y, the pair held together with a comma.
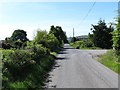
x: 110, y: 60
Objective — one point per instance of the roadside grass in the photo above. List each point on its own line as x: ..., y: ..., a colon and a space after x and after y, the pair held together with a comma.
x: 110, y: 60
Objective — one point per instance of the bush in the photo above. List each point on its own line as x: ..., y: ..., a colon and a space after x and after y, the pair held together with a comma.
x: 18, y: 65
x: 116, y: 41
x: 39, y: 52
x: 47, y: 40
x: 37, y: 49
x: 116, y: 38
x: 6, y: 46
x: 89, y: 43
x: 82, y: 44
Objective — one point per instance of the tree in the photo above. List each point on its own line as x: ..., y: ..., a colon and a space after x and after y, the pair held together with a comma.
x: 74, y: 39
x: 116, y: 38
x: 52, y: 42
x: 59, y: 34
x: 47, y: 40
x: 18, y: 39
x: 102, y: 35
x: 62, y: 34
x: 19, y: 35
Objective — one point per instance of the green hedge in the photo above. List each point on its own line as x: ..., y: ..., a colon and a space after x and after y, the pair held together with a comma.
x: 82, y: 44
x: 26, y: 68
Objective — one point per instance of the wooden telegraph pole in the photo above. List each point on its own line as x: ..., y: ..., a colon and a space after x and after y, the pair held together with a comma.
x: 73, y: 35
x: 73, y: 32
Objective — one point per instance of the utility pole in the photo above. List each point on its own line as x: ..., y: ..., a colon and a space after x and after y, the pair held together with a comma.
x: 73, y: 32
x: 73, y: 35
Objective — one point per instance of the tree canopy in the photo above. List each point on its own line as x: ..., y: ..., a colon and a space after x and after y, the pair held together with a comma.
x: 59, y: 34
x: 102, y: 35
x: 116, y: 37
x: 19, y: 35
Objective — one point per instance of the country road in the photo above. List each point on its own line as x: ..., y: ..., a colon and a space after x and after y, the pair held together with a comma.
x: 77, y: 68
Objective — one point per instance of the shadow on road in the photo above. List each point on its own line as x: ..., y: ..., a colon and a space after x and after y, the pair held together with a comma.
x: 62, y: 52
x: 61, y: 58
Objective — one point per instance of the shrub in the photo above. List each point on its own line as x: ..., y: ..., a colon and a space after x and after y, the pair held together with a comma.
x: 18, y: 63
x: 82, y: 44
x: 116, y: 41
x: 52, y: 42
x: 116, y: 38
x: 26, y: 67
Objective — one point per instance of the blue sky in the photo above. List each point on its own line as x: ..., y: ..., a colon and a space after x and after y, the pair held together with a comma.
x: 30, y: 16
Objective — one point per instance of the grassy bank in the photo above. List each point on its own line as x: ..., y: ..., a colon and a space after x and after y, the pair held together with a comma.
x: 110, y: 60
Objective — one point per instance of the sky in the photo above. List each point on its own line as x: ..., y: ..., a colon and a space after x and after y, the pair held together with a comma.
x: 30, y: 16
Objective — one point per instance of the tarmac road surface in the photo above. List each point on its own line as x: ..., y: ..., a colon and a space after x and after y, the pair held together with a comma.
x: 77, y: 68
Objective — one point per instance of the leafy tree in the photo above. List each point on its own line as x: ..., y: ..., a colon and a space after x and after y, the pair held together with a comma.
x: 62, y: 34
x: 19, y: 35
x: 52, y: 42
x: 47, y: 40
x: 116, y: 38
x: 59, y: 34
x: 40, y: 35
x: 55, y: 32
x: 7, y: 44
x: 102, y: 35
x: 74, y: 39
x: 18, y: 39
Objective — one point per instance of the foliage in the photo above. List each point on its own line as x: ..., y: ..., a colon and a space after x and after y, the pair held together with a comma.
x: 82, y: 44
x: 52, y: 42
x: 22, y: 67
x: 6, y: 45
x: 19, y: 35
x: 102, y: 35
x: 17, y: 40
x: 17, y: 62
x: 73, y: 39
x: 47, y: 40
x: 41, y: 35
x: 116, y: 38
x: 26, y: 63
x: 59, y: 34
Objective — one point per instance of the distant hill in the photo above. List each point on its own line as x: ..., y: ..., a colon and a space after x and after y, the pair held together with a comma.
x: 82, y: 37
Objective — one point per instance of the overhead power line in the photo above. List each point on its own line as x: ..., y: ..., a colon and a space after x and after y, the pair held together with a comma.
x: 88, y: 12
